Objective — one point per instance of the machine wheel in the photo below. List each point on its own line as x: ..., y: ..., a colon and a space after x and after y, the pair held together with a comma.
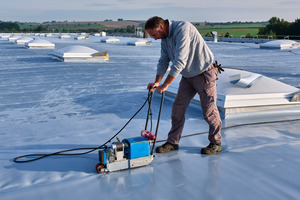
x: 100, y: 168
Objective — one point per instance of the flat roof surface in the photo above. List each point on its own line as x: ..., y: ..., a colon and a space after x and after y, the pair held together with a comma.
x: 48, y: 106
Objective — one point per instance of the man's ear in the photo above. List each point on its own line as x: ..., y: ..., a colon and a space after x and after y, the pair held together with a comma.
x: 161, y: 27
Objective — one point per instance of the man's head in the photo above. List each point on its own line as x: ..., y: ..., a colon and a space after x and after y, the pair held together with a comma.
x: 157, y: 27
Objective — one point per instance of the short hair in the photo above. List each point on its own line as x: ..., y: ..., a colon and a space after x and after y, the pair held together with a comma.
x: 154, y: 22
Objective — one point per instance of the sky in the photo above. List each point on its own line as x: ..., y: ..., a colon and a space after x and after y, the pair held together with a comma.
x: 189, y: 10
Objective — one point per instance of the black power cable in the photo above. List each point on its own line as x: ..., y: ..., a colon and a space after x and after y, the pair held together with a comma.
x: 63, y: 152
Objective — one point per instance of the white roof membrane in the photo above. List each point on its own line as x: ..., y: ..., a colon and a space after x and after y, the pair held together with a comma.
x: 48, y: 106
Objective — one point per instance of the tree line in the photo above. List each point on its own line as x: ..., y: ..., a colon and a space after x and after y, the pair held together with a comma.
x: 42, y: 28
x: 280, y: 27
x: 9, y: 27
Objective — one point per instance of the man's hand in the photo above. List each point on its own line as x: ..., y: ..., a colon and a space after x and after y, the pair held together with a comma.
x: 152, y: 86
x: 160, y: 89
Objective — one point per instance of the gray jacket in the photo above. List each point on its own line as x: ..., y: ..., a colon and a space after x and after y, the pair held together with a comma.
x: 187, y: 50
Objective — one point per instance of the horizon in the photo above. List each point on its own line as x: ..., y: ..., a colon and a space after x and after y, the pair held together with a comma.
x: 190, y: 10
x: 137, y: 20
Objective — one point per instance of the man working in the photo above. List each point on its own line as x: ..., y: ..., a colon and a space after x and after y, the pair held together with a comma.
x: 182, y: 44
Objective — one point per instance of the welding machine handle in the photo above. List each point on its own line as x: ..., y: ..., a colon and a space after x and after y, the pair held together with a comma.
x: 150, y: 96
x: 157, y: 125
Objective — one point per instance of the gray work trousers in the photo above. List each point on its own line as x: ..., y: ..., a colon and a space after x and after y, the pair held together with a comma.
x: 205, y: 85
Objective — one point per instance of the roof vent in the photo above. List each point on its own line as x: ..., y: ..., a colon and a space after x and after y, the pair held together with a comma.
x: 245, y: 82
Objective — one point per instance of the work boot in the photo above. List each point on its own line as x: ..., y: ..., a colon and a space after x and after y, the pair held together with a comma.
x: 166, y: 148
x: 211, y: 149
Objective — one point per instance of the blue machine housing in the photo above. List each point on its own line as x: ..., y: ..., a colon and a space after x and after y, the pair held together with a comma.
x: 104, y: 156
x: 136, y: 147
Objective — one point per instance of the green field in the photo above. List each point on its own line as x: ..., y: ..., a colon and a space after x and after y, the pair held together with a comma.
x: 236, y: 30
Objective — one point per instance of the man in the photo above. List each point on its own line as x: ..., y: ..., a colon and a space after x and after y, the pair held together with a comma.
x: 182, y: 44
